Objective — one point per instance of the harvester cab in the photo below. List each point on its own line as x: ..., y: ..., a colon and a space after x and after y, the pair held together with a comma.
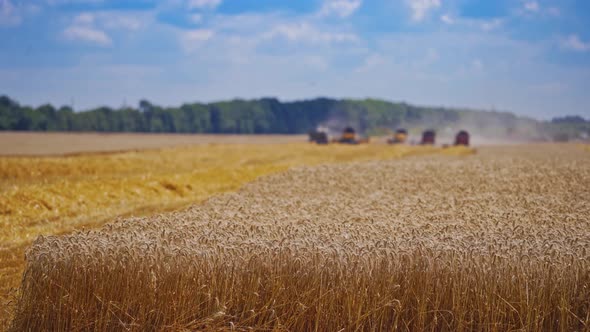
x: 428, y: 137
x: 462, y: 138
x: 400, y: 137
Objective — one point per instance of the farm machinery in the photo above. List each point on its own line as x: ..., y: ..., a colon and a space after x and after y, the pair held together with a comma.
x: 318, y: 137
x: 428, y: 137
x: 400, y: 137
x: 462, y: 138
x: 349, y: 136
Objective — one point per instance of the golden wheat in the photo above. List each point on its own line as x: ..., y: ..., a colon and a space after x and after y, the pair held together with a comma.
x: 493, y: 242
x: 55, y: 195
x: 70, y: 190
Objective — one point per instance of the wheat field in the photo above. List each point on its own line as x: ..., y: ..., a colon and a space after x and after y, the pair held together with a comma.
x: 26, y: 143
x: 57, y: 194
x: 496, y: 241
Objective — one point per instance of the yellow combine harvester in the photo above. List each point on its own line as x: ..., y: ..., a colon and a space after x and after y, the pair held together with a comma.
x: 349, y: 137
x: 320, y: 136
x: 400, y: 137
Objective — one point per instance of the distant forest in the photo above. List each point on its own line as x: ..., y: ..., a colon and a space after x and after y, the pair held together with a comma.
x: 271, y: 116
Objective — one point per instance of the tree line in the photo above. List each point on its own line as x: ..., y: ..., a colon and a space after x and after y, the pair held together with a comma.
x: 271, y: 116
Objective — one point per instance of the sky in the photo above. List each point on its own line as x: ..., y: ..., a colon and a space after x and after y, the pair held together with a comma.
x: 530, y: 57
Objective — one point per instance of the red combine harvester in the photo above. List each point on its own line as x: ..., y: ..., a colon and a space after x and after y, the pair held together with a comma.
x: 462, y: 138
x: 428, y: 137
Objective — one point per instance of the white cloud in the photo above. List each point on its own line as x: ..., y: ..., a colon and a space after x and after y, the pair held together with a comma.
x: 84, y: 19
x: 340, y: 8
x: 534, y: 8
x: 245, y: 23
x: 420, y: 8
x: 305, y: 32
x: 194, y: 39
x: 491, y: 25
x: 108, y: 20
x: 199, y: 4
x: 199, y: 35
x: 8, y: 13
x: 120, y: 21
x: 371, y: 61
x: 88, y: 34
x: 88, y: 27
x: 573, y: 42
x: 531, y: 6
x: 447, y: 19
x: 264, y: 29
x: 196, y: 18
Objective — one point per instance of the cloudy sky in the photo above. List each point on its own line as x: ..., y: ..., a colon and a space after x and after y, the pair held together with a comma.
x: 531, y: 57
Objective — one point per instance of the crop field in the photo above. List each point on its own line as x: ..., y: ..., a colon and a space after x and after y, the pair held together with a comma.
x: 59, y: 194
x: 493, y: 241
x: 50, y: 143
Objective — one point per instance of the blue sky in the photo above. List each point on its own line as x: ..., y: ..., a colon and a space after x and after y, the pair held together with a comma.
x: 531, y: 57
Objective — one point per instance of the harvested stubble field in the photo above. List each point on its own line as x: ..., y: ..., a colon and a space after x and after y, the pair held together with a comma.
x: 496, y: 241
x: 49, y: 143
x: 60, y: 194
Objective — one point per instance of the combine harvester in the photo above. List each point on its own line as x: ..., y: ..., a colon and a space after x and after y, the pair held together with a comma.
x: 349, y: 137
x: 400, y: 137
x: 428, y: 137
x: 320, y: 136
x: 462, y: 138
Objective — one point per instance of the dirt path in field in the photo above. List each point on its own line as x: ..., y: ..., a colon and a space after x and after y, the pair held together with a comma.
x: 506, y: 204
